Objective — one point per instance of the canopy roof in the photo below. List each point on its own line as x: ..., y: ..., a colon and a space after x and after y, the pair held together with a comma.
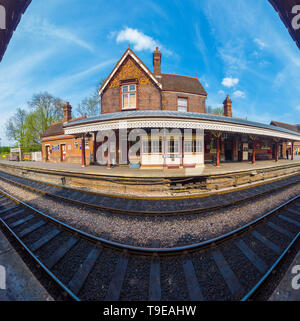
x: 186, y: 117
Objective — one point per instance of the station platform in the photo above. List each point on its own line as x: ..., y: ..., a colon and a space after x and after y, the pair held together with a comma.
x: 19, y: 282
x: 153, y: 182
x: 288, y: 288
x: 125, y: 171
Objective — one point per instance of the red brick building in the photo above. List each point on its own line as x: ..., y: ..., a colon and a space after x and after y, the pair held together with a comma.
x: 58, y: 147
x: 149, y: 91
x: 290, y: 148
x: 166, y: 115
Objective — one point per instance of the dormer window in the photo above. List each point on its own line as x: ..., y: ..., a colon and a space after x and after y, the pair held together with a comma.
x: 129, y: 96
x: 182, y: 104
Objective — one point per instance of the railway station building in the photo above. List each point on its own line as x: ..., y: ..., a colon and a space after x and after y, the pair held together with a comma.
x: 164, y: 115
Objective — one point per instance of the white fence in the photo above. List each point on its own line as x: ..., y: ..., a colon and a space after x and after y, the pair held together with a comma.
x: 36, y: 156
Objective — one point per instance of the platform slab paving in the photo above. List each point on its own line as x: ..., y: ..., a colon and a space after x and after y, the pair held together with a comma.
x: 285, y: 290
x: 18, y: 283
x: 125, y: 171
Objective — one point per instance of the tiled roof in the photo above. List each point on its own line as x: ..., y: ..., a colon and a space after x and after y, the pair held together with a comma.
x: 54, y: 129
x: 175, y: 114
x: 184, y: 84
x: 285, y: 125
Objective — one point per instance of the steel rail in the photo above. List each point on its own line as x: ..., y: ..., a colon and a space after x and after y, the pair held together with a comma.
x: 147, y: 250
x: 39, y: 262
x: 263, y: 279
x: 132, y: 212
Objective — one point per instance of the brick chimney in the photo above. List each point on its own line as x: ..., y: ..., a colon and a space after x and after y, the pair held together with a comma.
x: 157, y: 63
x: 227, y: 107
x: 67, y: 112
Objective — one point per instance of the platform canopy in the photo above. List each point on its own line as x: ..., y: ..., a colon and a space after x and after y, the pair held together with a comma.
x: 174, y: 119
x: 10, y: 16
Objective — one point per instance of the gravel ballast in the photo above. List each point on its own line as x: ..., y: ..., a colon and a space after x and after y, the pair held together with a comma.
x: 141, y: 231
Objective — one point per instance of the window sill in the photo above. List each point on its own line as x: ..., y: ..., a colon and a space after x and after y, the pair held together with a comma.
x: 125, y: 109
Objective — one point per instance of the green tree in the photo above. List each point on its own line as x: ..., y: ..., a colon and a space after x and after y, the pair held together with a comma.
x: 218, y: 110
x: 4, y: 150
x: 45, y: 109
x: 91, y: 105
x: 15, y: 129
x: 26, y: 128
x: 215, y: 110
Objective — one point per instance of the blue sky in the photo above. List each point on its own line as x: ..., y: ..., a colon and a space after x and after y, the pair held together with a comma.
x: 235, y: 46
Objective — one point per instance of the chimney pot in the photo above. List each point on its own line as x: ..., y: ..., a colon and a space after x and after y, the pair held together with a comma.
x: 157, y: 62
x: 227, y: 107
x: 67, y: 112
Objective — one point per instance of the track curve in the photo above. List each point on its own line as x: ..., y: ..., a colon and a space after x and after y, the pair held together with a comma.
x: 76, y: 261
x: 128, y: 206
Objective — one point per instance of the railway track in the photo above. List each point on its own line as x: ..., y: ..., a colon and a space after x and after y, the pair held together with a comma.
x: 230, y: 267
x: 131, y: 206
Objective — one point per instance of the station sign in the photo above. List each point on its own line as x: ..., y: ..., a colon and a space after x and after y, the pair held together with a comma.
x: 55, y: 147
x: 289, y: 12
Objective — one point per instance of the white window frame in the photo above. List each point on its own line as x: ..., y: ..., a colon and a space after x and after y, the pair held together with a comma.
x: 128, y: 93
x: 173, y: 141
x: 156, y: 146
x: 181, y: 106
x: 188, y: 146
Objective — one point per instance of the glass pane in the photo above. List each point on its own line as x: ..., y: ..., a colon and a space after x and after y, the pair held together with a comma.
x: 125, y: 89
x: 125, y: 101
x: 145, y: 147
x: 132, y: 100
x: 183, y: 109
x: 155, y: 145
x: 176, y: 145
x: 182, y: 102
x: 198, y: 146
x: 188, y: 146
x: 132, y: 87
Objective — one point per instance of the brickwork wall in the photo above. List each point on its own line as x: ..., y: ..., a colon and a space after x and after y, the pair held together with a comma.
x: 73, y: 153
x: 196, y: 103
x: 148, y: 94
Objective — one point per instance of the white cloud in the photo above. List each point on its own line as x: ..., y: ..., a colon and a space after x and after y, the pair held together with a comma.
x: 68, y: 81
x: 260, y: 43
x: 200, y: 44
x: 137, y: 38
x: 204, y: 81
x: 239, y: 94
x: 297, y: 108
x: 230, y: 82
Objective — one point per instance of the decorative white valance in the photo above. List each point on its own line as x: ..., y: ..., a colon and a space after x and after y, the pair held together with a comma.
x: 180, y: 124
